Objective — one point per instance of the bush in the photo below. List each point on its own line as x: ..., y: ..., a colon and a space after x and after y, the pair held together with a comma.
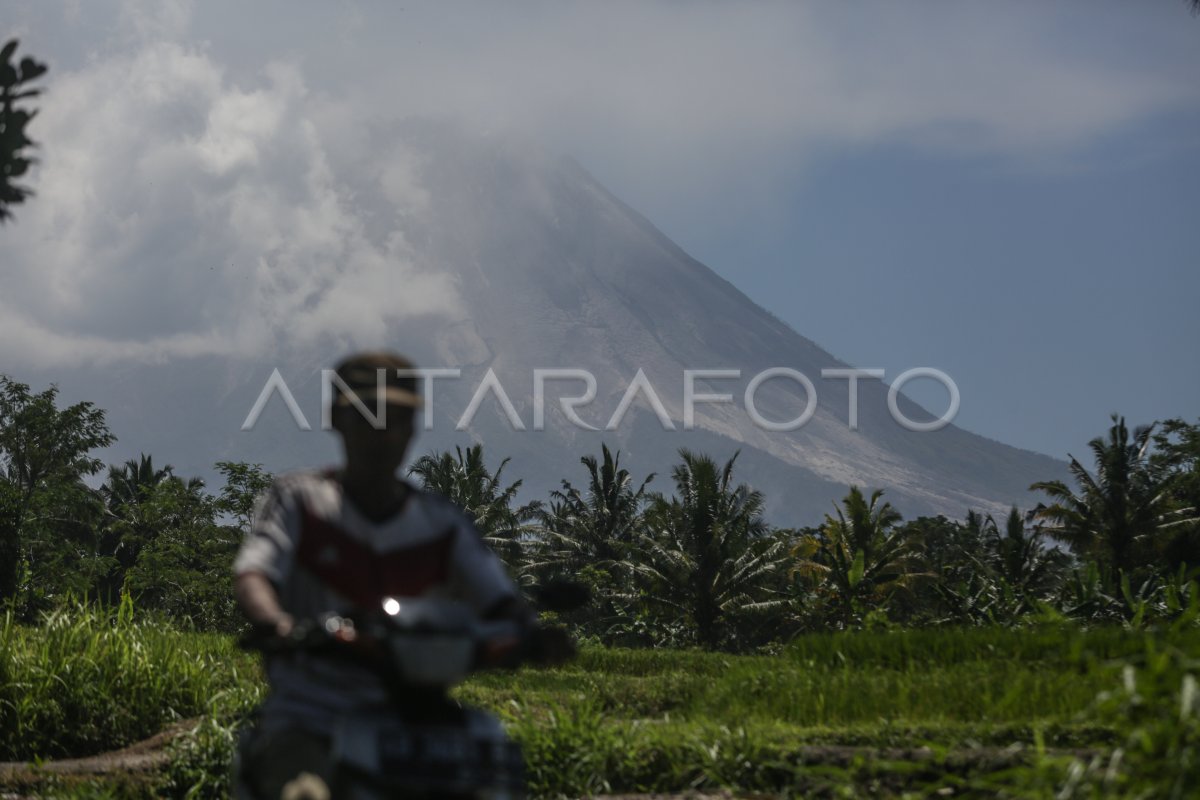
x: 90, y: 680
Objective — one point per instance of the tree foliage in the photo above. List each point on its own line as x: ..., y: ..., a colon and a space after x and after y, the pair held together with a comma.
x: 464, y: 478
x: 1020, y: 559
x: 589, y: 534
x: 15, y: 88
x: 45, y: 452
x: 696, y: 565
x: 185, y: 570
x: 1118, y: 509
x: 1176, y: 462
x: 861, y: 555
x: 707, y: 554
x: 596, y: 525
x: 244, y: 484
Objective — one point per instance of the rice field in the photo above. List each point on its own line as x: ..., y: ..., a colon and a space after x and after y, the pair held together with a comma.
x: 983, y: 712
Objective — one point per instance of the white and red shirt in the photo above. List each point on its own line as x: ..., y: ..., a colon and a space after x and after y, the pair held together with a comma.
x: 324, y: 555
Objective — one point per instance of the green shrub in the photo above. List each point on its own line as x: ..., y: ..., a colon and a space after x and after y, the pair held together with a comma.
x: 89, y: 680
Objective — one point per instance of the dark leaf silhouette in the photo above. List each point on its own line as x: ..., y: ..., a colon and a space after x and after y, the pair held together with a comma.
x: 14, y: 163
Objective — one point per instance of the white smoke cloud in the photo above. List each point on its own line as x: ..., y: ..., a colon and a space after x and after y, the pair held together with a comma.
x: 184, y: 214
x: 204, y: 164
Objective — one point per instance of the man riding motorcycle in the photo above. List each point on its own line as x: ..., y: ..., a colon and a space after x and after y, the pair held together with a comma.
x: 345, y: 541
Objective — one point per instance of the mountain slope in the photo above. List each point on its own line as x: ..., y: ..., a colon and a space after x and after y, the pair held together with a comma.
x: 556, y: 272
x: 551, y: 271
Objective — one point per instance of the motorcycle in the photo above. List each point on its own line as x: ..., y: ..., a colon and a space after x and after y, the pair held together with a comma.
x: 424, y: 744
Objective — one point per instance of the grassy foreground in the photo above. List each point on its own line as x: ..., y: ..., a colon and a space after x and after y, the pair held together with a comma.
x: 985, y: 712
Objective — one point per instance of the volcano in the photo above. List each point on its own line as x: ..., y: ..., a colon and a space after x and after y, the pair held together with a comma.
x: 549, y: 271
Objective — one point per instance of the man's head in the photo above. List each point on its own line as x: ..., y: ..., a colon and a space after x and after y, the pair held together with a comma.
x: 373, y: 407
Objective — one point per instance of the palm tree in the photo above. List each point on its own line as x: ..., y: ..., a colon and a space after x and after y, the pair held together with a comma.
x: 140, y: 502
x: 15, y: 159
x: 587, y: 534
x: 1021, y: 560
x: 465, y: 480
x: 707, y: 554
x: 597, y: 525
x: 1176, y: 461
x: 861, y: 554
x: 1116, y: 511
x: 950, y: 548
x: 129, y: 484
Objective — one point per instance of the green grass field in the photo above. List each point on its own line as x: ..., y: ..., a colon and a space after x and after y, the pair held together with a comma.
x: 984, y: 712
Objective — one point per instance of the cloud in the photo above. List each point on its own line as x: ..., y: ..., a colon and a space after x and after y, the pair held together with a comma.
x: 207, y: 165
x: 1002, y: 78
x: 704, y: 106
x: 148, y: 20
x: 185, y: 214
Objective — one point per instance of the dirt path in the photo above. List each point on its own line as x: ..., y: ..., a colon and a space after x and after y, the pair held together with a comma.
x: 151, y: 754
x: 147, y: 755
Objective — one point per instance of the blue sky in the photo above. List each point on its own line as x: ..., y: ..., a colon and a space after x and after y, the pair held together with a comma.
x: 1052, y: 297
x: 1004, y: 191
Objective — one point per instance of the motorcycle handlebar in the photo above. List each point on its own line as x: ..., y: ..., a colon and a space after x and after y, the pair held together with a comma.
x: 501, y: 643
